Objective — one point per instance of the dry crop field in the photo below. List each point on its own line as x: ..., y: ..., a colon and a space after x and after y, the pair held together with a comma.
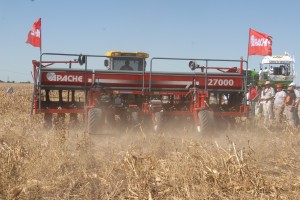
x: 65, y: 163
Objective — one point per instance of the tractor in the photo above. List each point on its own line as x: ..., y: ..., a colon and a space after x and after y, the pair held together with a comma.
x: 124, y: 91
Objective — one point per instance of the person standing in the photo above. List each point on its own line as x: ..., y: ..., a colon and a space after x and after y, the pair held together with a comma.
x: 267, y: 97
x: 290, y: 110
x: 271, y: 70
x: 279, y: 103
x: 297, y: 100
x: 261, y: 74
x: 298, y: 90
x: 252, y: 97
x: 259, y: 105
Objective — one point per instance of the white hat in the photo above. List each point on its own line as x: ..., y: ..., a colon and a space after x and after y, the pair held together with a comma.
x: 267, y: 83
x: 292, y: 84
x: 290, y: 88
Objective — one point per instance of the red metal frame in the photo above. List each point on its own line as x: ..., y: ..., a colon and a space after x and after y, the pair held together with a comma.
x: 196, y: 85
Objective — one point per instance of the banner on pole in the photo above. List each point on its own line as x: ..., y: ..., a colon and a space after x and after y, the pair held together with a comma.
x: 34, y: 35
x: 259, y: 44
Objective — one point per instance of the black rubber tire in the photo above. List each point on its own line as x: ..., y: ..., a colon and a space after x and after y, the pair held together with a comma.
x: 205, y: 121
x: 74, y: 122
x: 157, y: 124
x: 135, y: 117
x: 73, y: 117
x: 47, y: 120
x: 60, y: 118
x: 95, y: 120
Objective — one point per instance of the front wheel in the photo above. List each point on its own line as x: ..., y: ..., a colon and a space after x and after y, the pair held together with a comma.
x: 204, y: 122
x: 135, y: 117
x: 95, y: 120
x: 48, y: 120
x: 157, y: 121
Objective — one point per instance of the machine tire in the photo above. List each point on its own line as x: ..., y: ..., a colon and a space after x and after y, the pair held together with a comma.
x: 157, y: 121
x: 95, y: 120
x: 205, y: 122
x: 135, y: 117
x: 47, y: 120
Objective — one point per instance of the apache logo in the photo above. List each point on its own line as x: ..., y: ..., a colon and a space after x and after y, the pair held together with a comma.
x: 63, y: 78
x: 260, y: 42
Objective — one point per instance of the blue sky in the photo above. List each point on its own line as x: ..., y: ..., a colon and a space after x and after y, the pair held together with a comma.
x: 215, y: 29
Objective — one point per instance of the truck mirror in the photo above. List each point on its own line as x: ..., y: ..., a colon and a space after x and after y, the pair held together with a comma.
x: 192, y: 65
x: 81, y: 59
x: 106, y: 63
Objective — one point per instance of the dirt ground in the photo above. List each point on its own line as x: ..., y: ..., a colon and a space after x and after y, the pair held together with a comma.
x: 245, y: 161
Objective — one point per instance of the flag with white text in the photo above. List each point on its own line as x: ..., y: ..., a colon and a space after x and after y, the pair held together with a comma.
x: 259, y: 44
x: 34, y: 35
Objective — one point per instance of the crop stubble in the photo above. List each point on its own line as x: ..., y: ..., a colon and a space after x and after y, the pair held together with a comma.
x: 65, y: 163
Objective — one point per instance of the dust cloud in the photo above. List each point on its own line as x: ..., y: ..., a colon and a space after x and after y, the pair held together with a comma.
x: 241, y: 161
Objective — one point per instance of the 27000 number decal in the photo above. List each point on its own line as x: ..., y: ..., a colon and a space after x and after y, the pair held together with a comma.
x: 220, y: 82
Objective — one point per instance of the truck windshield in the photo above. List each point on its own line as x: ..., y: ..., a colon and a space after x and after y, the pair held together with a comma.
x: 278, y: 69
x: 127, y: 64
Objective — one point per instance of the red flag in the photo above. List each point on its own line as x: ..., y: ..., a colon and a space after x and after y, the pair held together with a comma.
x: 34, y: 35
x: 259, y: 44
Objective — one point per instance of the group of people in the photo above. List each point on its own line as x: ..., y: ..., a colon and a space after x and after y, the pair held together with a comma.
x: 275, y: 104
x: 261, y: 72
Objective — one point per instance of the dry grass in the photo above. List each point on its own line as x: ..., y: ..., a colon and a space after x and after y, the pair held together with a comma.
x: 65, y: 163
